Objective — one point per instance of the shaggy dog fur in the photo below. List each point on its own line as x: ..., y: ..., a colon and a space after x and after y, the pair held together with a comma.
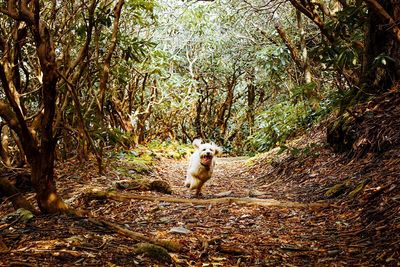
x: 201, y: 165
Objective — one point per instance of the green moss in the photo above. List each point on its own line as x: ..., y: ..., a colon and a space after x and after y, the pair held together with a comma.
x: 358, y: 188
x: 153, y: 251
x: 336, y: 190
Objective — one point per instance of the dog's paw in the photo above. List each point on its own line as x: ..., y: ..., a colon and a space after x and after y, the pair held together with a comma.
x: 198, y: 195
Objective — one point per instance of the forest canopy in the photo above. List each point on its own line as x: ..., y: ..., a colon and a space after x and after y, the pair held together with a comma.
x: 79, y: 77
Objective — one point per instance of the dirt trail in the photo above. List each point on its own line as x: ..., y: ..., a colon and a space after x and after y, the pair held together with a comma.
x: 231, y: 182
x: 225, y: 177
x: 218, y: 234
x: 223, y: 235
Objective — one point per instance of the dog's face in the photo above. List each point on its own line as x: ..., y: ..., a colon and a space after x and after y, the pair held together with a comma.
x: 206, y: 151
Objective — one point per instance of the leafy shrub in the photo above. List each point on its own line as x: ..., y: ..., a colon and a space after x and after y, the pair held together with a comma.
x: 169, y: 149
x: 281, y: 121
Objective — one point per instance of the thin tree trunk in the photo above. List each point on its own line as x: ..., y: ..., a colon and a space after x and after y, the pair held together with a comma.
x: 107, y: 60
x: 5, y: 132
x: 251, y: 97
x: 304, y: 53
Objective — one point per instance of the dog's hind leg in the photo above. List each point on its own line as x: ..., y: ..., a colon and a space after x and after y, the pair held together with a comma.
x: 190, y: 180
x: 187, y: 182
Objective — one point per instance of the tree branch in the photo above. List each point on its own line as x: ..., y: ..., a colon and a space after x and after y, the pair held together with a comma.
x: 224, y: 200
x: 107, y: 60
x: 311, y: 13
x: 380, y: 11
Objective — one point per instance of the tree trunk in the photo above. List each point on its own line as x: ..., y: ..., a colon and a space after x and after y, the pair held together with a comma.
x: 38, y: 143
x: 251, y: 97
x: 5, y: 132
x: 42, y: 177
x: 224, y: 112
x: 304, y: 53
x: 199, y: 109
x: 107, y: 61
x: 10, y: 191
x: 382, y: 55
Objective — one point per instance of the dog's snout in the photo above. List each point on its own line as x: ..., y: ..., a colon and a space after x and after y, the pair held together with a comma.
x: 208, y: 153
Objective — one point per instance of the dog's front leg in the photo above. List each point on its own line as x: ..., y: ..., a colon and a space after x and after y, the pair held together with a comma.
x: 198, y: 189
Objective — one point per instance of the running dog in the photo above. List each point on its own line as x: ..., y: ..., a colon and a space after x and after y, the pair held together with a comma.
x: 201, y: 165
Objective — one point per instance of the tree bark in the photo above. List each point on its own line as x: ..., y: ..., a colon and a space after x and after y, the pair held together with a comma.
x: 39, y: 147
x: 379, y: 10
x: 5, y: 132
x: 210, y: 201
x: 107, y: 60
x: 10, y: 191
x: 224, y: 112
x: 251, y: 97
x: 382, y: 39
x: 304, y: 52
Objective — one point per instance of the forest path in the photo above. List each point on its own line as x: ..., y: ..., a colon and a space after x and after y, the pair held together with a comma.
x: 210, y: 233
x: 242, y: 235
x: 231, y: 180
x: 225, y: 181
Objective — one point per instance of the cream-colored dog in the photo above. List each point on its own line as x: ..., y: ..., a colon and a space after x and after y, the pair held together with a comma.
x: 201, y: 165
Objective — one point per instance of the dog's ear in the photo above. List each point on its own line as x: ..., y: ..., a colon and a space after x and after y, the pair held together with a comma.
x: 218, y: 150
x: 197, y: 142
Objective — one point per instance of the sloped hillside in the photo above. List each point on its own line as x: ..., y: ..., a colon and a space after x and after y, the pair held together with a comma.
x: 358, y: 173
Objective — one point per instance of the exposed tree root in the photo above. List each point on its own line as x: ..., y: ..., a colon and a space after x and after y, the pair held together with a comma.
x: 11, y: 192
x: 224, y: 200
x: 167, y: 244
x: 145, y: 185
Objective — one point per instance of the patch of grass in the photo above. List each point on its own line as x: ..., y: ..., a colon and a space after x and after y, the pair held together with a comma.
x: 136, y: 163
x: 141, y: 160
x: 170, y: 149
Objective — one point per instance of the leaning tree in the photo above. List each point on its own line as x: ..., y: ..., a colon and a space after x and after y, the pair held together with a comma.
x: 34, y: 131
x: 378, y: 52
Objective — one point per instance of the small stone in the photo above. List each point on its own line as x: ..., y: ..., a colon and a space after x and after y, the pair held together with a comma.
x: 179, y: 230
x: 334, y: 252
x: 165, y: 220
x: 224, y: 194
x: 256, y: 193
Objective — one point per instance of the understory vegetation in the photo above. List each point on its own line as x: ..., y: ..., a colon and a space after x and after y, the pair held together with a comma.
x: 105, y: 97
x: 81, y: 78
x: 247, y: 76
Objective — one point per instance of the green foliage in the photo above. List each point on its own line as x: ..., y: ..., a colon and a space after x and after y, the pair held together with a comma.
x: 175, y: 62
x: 146, y: 154
x: 276, y: 124
x: 140, y: 161
x: 169, y: 149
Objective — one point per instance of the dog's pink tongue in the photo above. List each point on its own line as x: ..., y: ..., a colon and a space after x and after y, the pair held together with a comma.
x: 206, y: 160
